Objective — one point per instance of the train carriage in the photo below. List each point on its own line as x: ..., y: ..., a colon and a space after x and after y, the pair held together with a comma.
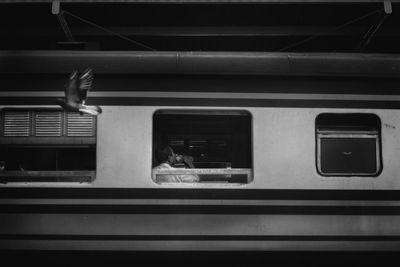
x: 295, y: 151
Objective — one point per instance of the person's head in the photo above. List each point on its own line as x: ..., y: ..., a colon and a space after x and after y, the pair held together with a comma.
x: 166, y: 154
x: 2, y: 165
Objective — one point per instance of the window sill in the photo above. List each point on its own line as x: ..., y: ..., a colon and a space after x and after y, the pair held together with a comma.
x: 47, y: 176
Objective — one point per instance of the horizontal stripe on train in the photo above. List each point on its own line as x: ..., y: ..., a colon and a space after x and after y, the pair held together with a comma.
x: 201, y: 245
x: 186, y: 193
x: 204, y: 258
x: 183, y: 258
x: 201, y: 237
x: 210, y: 202
x: 214, y: 102
x: 209, y: 95
x: 235, y: 84
x: 201, y: 209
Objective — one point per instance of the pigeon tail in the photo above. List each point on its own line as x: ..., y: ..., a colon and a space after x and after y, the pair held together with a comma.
x: 92, y: 110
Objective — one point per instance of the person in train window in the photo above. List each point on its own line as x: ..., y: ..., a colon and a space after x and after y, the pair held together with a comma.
x: 167, y: 157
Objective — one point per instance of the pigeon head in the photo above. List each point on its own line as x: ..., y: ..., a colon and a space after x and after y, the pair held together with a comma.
x: 60, y: 101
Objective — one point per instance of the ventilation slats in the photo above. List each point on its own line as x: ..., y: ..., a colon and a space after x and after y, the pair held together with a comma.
x: 48, y: 123
x: 80, y: 125
x: 16, y: 123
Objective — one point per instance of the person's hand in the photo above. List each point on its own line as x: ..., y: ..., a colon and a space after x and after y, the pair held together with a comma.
x: 179, y: 158
x: 188, y: 160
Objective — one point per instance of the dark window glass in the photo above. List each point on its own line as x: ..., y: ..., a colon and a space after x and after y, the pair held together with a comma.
x: 348, y: 144
x: 348, y: 155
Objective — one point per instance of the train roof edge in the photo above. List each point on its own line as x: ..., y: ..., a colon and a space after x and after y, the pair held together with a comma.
x: 202, y: 63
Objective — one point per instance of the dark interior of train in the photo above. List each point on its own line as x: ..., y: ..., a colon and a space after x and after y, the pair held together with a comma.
x: 347, y: 122
x: 214, y: 139
x: 48, y: 158
x: 47, y: 163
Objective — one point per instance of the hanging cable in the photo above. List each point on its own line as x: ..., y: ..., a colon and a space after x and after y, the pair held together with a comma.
x: 371, y: 32
x: 55, y: 10
x: 108, y: 31
x: 64, y: 26
x: 334, y: 29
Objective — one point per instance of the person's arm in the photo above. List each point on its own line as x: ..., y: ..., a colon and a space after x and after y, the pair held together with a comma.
x: 188, y: 161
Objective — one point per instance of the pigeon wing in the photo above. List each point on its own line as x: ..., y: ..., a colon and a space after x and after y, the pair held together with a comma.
x: 85, y: 83
x: 71, y: 89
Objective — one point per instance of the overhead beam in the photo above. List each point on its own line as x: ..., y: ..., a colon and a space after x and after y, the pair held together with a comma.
x: 202, y: 63
x: 215, y: 31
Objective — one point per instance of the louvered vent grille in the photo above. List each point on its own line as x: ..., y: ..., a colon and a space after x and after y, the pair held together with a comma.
x: 48, y: 123
x: 80, y: 125
x: 16, y: 123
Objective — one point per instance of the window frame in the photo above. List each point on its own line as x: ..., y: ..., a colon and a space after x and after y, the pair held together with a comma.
x: 47, y: 176
x: 207, y: 171
x: 375, y: 134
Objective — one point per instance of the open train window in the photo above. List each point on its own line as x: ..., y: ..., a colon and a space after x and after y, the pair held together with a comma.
x: 219, y: 141
x: 47, y: 145
x: 348, y: 144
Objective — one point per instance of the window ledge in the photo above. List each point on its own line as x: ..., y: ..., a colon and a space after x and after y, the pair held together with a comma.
x: 47, y: 176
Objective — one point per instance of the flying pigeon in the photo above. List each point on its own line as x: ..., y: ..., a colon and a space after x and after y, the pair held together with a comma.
x: 76, y: 91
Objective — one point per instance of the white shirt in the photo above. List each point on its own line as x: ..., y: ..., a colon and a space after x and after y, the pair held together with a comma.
x: 174, y: 178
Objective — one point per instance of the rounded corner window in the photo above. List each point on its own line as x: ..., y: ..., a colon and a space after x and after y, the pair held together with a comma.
x: 47, y: 145
x: 348, y: 144
x: 202, y: 146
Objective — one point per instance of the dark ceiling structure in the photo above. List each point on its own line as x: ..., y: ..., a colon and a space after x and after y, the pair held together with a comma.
x: 253, y: 26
